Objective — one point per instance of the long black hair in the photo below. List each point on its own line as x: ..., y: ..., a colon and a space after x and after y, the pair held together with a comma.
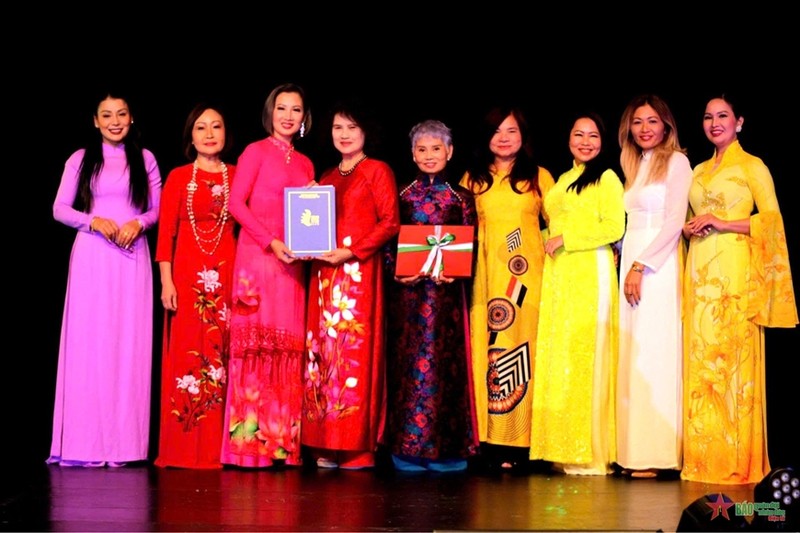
x: 525, y: 168
x: 595, y: 167
x: 92, y: 164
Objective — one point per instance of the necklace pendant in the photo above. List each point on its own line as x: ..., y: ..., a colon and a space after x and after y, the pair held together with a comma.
x: 216, y: 232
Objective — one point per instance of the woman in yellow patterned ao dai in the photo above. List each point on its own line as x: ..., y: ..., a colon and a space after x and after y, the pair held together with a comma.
x: 573, y: 390
x: 737, y: 283
x: 508, y: 187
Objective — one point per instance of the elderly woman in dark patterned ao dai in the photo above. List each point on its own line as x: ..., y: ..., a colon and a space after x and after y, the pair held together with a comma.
x: 431, y: 408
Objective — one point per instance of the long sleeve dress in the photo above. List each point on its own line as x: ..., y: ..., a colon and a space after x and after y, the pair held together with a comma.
x: 736, y: 285
x: 649, y: 378
x: 344, y: 372
x: 431, y: 413
x: 573, y: 393
x: 504, y: 311
x: 265, y: 395
x: 102, y: 401
x: 200, y: 246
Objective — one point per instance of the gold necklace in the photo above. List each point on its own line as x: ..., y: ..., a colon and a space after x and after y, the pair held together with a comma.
x: 219, y: 225
x: 351, y: 169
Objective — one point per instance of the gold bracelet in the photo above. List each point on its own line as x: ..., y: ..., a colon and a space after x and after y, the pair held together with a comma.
x: 637, y: 268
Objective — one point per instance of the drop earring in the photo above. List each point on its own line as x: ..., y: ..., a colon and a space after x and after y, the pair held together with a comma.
x: 302, y: 129
x: 738, y: 129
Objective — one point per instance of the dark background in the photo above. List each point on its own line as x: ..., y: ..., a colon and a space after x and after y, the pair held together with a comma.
x: 412, y: 62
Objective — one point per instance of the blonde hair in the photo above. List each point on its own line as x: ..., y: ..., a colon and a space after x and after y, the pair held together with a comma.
x: 631, y: 156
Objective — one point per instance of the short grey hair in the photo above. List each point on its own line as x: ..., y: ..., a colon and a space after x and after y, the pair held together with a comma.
x: 434, y: 128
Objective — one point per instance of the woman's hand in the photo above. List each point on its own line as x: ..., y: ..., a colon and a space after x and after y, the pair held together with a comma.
x: 169, y: 295
x: 616, y: 250
x: 443, y: 279
x: 633, y: 287
x: 337, y: 257
x: 106, y: 227
x: 281, y: 251
x: 128, y: 233
x: 409, y: 280
x: 553, y: 244
x: 687, y: 231
x: 413, y: 280
x: 702, y: 225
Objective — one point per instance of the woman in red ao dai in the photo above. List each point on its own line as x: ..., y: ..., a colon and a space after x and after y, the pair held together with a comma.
x: 195, y: 250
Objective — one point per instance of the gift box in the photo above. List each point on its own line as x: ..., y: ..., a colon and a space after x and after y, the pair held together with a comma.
x: 435, y: 250
x: 310, y: 219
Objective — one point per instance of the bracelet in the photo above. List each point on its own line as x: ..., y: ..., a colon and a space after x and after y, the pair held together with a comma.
x: 637, y: 267
x: 141, y: 224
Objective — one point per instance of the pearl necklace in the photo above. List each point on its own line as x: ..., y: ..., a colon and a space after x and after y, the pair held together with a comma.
x: 351, y: 169
x: 219, y: 226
